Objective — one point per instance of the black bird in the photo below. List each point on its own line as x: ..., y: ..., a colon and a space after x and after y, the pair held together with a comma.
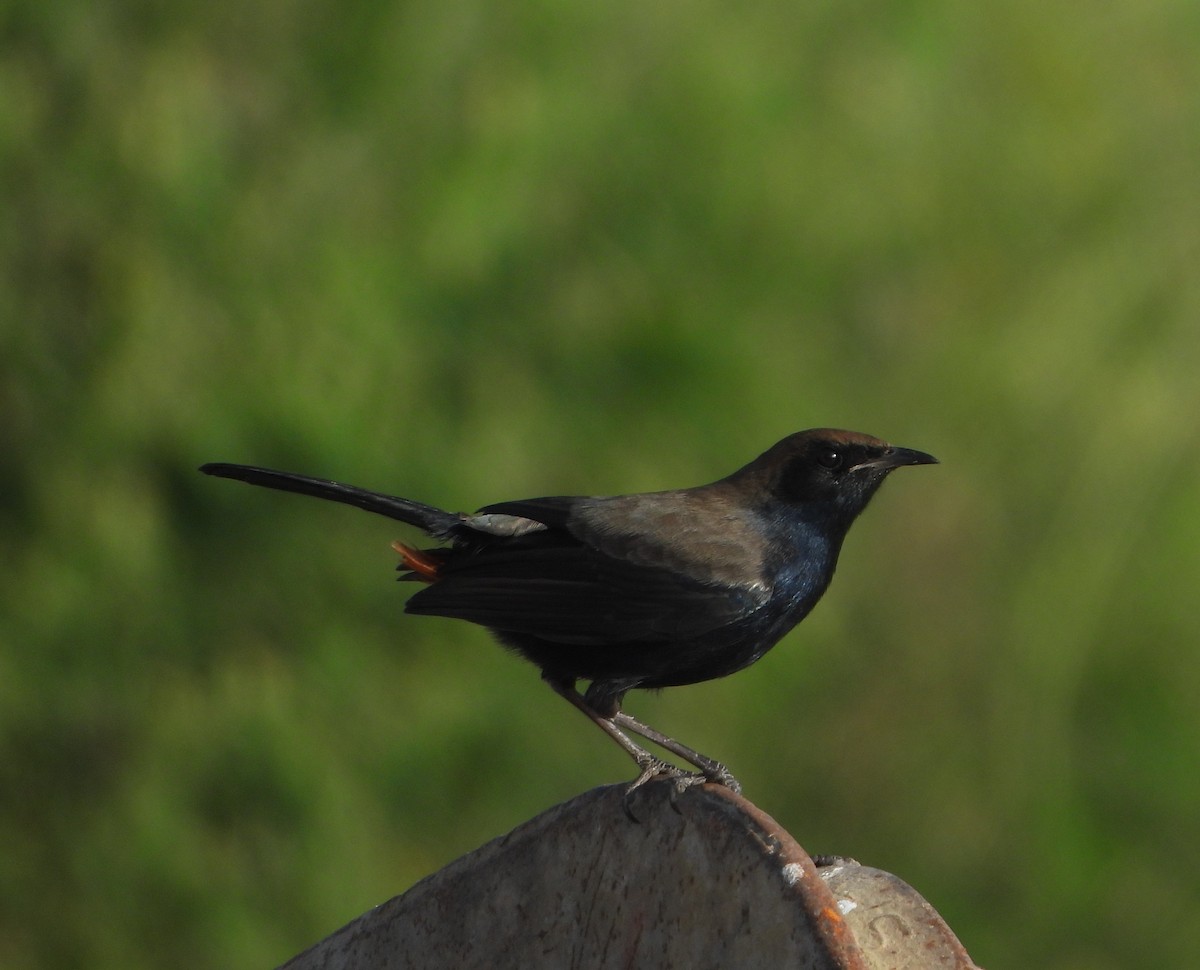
x: 640, y: 591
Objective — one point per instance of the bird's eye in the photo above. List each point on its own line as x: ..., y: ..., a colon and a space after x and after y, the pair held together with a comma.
x: 829, y: 458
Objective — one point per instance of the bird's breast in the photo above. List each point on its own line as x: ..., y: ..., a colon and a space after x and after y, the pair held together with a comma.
x: 800, y: 562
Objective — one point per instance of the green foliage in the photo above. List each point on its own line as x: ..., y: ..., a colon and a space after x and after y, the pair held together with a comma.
x: 467, y: 251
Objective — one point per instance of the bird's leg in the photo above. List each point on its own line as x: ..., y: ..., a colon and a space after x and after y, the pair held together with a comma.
x: 650, y: 765
x: 711, y: 770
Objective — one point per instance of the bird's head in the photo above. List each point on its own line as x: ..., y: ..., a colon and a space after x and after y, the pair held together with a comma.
x: 826, y: 469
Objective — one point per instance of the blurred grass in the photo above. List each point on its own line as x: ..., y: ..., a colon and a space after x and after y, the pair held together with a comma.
x: 464, y: 253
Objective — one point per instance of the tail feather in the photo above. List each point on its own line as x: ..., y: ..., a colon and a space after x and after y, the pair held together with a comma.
x: 418, y: 564
x: 434, y: 521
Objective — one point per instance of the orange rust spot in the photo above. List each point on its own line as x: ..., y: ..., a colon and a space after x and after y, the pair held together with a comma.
x: 423, y: 565
x: 831, y: 914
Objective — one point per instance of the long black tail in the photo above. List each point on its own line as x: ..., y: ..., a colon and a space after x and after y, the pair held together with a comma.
x: 433, y: 520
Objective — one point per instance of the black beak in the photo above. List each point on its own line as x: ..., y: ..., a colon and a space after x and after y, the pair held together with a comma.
x: 897, y: 458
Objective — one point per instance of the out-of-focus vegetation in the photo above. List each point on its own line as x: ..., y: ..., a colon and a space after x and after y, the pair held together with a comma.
x: 470, y: 251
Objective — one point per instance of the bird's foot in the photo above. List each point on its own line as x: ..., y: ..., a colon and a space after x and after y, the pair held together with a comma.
x: 718, y: 774
x: 681, y: 783
x: 680, y: 779
x: 715, y: 773
x: 653, y: 767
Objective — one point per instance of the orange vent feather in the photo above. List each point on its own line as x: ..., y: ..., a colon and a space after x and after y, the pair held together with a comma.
x: 423, y: 565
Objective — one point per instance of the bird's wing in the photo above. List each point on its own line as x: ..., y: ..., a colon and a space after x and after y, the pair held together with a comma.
x: 704, y: 533
x: 575, y: 583
x: 552, y: 510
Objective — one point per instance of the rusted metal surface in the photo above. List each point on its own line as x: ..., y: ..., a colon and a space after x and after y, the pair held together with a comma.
x: 709, y: 881
x: 892, y: 924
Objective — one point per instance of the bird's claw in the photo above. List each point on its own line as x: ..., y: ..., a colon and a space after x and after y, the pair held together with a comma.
x: 718, y: 774
x: 651, y: 768
x: 681, y: 780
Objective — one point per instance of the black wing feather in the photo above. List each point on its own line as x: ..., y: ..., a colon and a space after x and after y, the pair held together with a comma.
x: 563, y: 591
x: 553, y: 510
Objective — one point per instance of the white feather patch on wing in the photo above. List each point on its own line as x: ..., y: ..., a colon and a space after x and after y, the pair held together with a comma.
x: 498, y: 524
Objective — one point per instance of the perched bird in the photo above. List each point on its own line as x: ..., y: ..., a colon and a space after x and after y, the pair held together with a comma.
x: 639, y: 591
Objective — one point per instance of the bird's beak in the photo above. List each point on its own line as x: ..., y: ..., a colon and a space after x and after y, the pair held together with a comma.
x: 897, y: 458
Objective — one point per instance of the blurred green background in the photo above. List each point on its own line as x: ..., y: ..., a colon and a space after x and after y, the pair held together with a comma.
x: 470, y: 251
